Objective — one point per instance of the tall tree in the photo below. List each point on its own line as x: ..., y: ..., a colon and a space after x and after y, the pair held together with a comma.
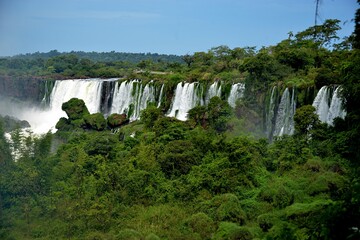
x: 357, y: 28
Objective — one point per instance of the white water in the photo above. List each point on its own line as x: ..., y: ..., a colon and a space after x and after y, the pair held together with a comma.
x: 321, y: 103
x: 236, y: 92
x: 123, y: 97
x: 145, y: 97
x: 43, y: 120
x: 335, y: 109
x: 214, y: 90
x: 132, y: 94
x: 135, y: 95
x: 160, y: 96
x: 40, y: 120
x: 88, y: 90
x: 284, y: 123
x: 185, y: 98
x: 271, y: 112
x: 328, y: 109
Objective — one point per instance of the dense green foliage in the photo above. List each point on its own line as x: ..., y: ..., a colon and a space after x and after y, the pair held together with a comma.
x: 79, y: 118
x: 11, y: 123
x: 161, y: 178
x: 105, y: 56
x: 55, y: 65
x: 166, y: 179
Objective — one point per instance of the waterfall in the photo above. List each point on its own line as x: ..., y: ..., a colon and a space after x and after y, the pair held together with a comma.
x: 43, y: 120
x: 48, y: 85
x: 335, y: 109
x: 270, y: 113
x: 236, y: 92
x: 107, y: 93
x: 122, y: 97
x: 284, y: 123
x: 146, y: 96
x: 131, y: 97
x: 88, y: 90
x: 185, y: 98
x: 214, y: 90
x: 161, y: 95
x: 321, y: 103
x: 328, y: 106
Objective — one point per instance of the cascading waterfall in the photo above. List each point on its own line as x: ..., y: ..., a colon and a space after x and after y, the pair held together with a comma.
x: 328, y: 106
x: 185, y: 98
x: 131, y: 97
x: 87, y: 90
x: 43, y: 120
x: 214, y: 90
x: 236, y: 92
x: 284, y: 123
x: 146, y: 96
x: 123, y: 97
x: 270, y: 113
x: 321, y: 103
x: 336, y: 107
x: 160, y: 96
x: 107, y: 93
x: 48, y: 85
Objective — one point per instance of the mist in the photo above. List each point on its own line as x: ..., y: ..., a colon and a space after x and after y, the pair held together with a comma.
x: 41, y: 119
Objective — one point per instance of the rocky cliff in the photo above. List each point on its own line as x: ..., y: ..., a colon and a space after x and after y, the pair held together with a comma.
x: 23, y: 88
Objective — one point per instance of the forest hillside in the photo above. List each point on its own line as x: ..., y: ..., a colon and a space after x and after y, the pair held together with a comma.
x: 212, y: 176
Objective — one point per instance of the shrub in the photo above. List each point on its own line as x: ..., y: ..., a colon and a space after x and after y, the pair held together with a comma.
x: 95, y: 121
x: 152, y: 236
x: 116, y: 120
x: 128, y: 234
x: 63, y: 124
x: 226, y: 207
x: 202, y: 224
x: 75, y: 108
x: 231, y: 231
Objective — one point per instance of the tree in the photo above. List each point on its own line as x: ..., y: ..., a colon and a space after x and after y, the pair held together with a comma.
x: 322, y: 35
x: 351, y: 96
x: 178, y: 158
x: 203, y: 58
x: 357, y: 28
x: 75, y: 109
x: 198, y: 115
x: 149, y: 116
x: 305, y: 119
x: 95, y: 121
x: 219, y: 112
x: 188, y: 59
x: 116, y: 120
x: 5, y: 155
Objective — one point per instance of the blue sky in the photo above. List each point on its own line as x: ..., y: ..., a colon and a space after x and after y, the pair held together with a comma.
x: 158, y: 26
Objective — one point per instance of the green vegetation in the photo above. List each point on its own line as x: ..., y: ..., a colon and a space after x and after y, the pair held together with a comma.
x: 79, y: 118
x: 55, y: 65
x: 161, y: 178
x: 11, y: 123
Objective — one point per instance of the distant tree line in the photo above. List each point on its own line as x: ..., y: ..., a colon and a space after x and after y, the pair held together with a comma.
x: 104, y: 56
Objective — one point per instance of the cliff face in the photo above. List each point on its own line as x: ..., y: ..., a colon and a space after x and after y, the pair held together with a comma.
x: 22, y: 88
